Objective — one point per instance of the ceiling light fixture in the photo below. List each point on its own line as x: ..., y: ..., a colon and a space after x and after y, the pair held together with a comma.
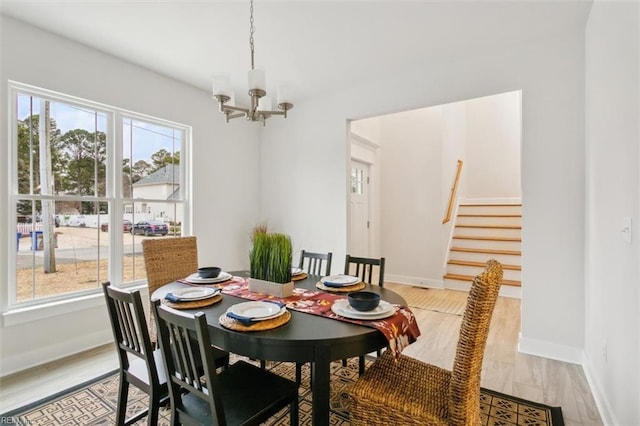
x: 261, y: 107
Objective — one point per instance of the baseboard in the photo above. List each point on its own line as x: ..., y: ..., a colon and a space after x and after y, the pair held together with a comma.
x: 602, y: 403
x: 25, y: 360
x: 415, y: 281
x: 505, y: 200
x: 550, y: 350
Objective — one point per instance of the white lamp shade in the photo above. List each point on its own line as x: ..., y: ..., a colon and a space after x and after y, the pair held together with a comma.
x: 284, y: 93
x: 265, y: 103
x: 257, y: 79
x: 221, y: 85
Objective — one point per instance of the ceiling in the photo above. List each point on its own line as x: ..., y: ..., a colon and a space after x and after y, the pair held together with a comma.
x: 315, y: 46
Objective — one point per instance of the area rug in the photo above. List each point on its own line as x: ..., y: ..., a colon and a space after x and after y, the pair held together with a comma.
x: 451, y: 302
x: 94, y: 403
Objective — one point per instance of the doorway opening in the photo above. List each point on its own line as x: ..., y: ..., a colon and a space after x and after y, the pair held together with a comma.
x: 411, y: 159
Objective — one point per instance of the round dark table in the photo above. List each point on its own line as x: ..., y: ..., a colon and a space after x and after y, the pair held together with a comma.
x: 306, y: 338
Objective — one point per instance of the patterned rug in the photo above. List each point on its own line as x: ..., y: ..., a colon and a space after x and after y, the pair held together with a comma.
x: 94, y: 403
x: 450, y: 302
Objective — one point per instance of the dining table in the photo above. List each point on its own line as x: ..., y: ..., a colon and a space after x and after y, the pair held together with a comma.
x: 306, y: 338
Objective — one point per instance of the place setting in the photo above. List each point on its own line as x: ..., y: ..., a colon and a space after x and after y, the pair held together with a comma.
x: 255, y: 316
x: 340, y: 283
x: 298, y: 274
x: 363, y: 305
x: 208, y: 275
x: 192, y: 297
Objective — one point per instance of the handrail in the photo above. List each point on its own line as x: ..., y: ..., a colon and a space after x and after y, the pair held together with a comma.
x: 447, y: 218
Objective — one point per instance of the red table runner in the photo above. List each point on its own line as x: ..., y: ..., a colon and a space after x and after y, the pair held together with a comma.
x: 400, y: 329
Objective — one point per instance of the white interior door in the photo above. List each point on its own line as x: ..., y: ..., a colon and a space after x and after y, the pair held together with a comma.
x: 359, y: 203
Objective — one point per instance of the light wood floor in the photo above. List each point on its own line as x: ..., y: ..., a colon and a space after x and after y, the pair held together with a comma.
x: 438, y: 313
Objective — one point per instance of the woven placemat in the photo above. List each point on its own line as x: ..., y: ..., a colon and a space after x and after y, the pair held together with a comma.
x: 193, y: 304
x: 299, y: 277
x: 347, y: 289
x: 269, y: 324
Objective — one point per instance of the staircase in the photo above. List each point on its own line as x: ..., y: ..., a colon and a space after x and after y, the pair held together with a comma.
x: 482, y: 232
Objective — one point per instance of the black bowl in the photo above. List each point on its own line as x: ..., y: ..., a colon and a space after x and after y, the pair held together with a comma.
x: 363, y: 300
x: 209, y: 272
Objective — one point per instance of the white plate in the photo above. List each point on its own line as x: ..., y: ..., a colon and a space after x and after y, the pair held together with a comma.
x: 195, y: 293
x: 257, y: 310
x: 340, y: 280
x: 282, y: 311
x: 342, y: 308
x: 196, y: 279
x: 382, y: 308
x: 297, y: 271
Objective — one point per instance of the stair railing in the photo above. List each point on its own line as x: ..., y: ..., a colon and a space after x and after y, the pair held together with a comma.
x: 454, y: 188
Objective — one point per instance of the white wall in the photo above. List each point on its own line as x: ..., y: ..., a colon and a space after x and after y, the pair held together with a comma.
x: 411, y: 179
x: 368, y: 128
x: 225, y: 189
x: 492, y: 168
x: 613, y: 192
x: 310, y: 148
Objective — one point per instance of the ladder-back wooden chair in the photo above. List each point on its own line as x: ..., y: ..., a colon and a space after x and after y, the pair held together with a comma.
x: 315, y: 262
x: 365, y: 269
x: 370, y: 271
x: 241, y: 394
x: 140, y: 365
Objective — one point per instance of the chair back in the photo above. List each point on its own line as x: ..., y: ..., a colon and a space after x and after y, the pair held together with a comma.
x: 363, y: 268
x: 464, y: 388
x: 315, y: 261
x: 130, y: 332
x: 186, y: 350
x: 167, y: 260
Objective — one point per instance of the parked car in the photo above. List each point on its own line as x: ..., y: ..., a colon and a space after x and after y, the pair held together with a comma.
x: 126, y: 226
x: 150, y: 227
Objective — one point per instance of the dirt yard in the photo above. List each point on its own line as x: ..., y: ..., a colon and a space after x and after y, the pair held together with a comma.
x: 77, y: 267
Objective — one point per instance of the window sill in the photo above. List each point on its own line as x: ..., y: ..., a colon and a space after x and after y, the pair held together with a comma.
x: 43, y: 311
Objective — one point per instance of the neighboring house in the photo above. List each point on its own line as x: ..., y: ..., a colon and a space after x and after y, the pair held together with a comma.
x: 163, y: 184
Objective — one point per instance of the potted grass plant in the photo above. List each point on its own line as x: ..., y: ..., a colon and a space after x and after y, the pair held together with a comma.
x: 270, y: 263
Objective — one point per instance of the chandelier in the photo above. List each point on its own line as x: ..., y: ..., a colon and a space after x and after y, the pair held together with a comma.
x: 261, y: 106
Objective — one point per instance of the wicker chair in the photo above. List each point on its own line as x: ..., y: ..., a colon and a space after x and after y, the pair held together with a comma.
x: 411, y: 392
x: 167, y: 260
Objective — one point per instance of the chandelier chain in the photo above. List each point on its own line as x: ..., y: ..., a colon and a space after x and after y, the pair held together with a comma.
x: 251, y: 31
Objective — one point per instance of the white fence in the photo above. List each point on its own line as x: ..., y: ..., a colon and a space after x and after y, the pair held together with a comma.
x: 82, y: 220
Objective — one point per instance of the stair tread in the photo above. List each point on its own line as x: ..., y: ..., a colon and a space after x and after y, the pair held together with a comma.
x: 461, y: 277
x: 478, y: 237
x: 482, y: 264
x: 490, y: 226
x: 476, y: 250
x: 488, y: 215
x: 491, y: 205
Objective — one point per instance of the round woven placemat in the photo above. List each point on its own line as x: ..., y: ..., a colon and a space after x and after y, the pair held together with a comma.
x: 193, y: 304
x: 299, y: 277
x: 347, y: 289
x: 269, y: 324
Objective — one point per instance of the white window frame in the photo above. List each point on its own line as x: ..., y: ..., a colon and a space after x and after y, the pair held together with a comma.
x: 17, y: 312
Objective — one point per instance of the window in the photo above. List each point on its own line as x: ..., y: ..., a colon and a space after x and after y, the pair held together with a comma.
x: 357, y: 180
x: 86, y: 178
